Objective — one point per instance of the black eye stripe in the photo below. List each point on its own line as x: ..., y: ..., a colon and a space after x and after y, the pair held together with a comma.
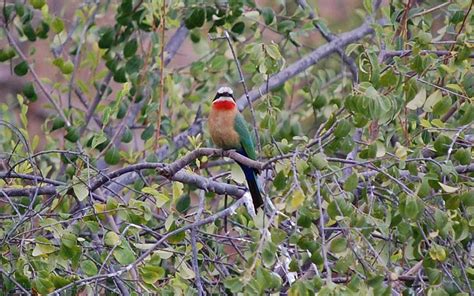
x: 223, y: 94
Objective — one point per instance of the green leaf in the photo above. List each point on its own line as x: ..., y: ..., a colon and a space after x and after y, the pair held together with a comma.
x: 196, y: 18
x: 296, y: 200
x: 183, y: 203
x: 434, y: 275
x: 195, y: 36
x: 37, y: 4
x: 80, y: 189
x: 150, y: 273
x: 273, y: 51
x: 6, y: 54
x: 238, y: 28
x: 67, y: 67
x: 43, y: 29
x: 178, y: 237
x: 442, y: 106
x: 98, y: 139
x: 29, y: 92
x: 130, y: 48
x: 107, y: 38
x: 468, y: 84
x: 268, y: 15
x: 112, y: 239
x: 134, y: 65
x: 321, y: 25
x: 112, y: 156
x: 124, y: 255
x: 89, y: 267
x: 127, y: 136
x: 304, y: 221
x: 69, y: 240
x: 21, y: 69
x: 43, y: 285
x: 411, y: 208
x: 218, y: 62
x: 319, y: 161
x: 58, y: 123
x: 286, y: 26
x: 29, y: 32
x: 72, y: 134
x: 185, y: 272
x: 468, y: 115
x: 57, y: 25
x: 338, y: 245
x: 160, y: 198
x: 463, y: 155
x: 60, y: 281
x: 351, y: 182
x: 234, y: 284
x: 342, y: 129
x: 148, y: 132
x: 120, y: 75
x: 442, y: 144
x: 269, y: 254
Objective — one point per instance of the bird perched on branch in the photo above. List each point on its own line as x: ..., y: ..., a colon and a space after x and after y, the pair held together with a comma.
x: 229, y: 130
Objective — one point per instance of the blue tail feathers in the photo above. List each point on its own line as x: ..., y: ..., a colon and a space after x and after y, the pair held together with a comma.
x: 252, y: 182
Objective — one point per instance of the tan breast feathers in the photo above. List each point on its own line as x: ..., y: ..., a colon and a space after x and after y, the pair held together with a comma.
x: 221, y: 127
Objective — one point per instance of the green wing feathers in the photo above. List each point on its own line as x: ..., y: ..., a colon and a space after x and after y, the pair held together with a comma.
x: 246, y: 139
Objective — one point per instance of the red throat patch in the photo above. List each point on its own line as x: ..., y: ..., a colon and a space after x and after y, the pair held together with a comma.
x: 223, y: 105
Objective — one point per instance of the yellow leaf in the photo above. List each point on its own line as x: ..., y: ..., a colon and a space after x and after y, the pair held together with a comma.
x: 437, y: 123
x: 80, y: 189
x: 35, y: 142
x: 177, y: 190
x: 425, y: 123
x: 99, y: 208
x: 43, y: 247
x: 432, y: 100
x: 418, y: 100
x: 164, y: 254
x: 185, y: 272
x: 237, y: 174
x: 447, y: 188
x: 296, y: 200
x: 455, y: 87
x: 401, y: 151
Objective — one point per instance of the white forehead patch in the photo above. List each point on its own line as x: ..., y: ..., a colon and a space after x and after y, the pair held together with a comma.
x: 225, y: 89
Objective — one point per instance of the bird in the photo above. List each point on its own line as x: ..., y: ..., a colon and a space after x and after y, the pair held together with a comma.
x: 229, y: 130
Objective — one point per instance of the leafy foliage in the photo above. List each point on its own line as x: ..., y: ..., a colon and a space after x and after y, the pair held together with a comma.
x: 369, y: 182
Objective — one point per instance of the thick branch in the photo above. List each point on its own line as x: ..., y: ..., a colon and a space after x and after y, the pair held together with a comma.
x: 296, y: 68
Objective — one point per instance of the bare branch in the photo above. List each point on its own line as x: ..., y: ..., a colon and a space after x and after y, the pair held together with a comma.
x: 311, y: 59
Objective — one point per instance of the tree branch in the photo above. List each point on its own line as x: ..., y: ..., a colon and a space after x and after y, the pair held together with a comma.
x: 311, y: 59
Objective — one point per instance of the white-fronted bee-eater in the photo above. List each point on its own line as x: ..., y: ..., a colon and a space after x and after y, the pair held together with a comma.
x: 229, y: 130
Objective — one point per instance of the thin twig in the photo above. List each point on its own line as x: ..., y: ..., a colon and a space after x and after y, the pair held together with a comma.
x: 37, y: 79
x: 322, y: 229
x: 242, y: 80
x: 162, y: 71
x: 432, y: 9
x: 194, y: 260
